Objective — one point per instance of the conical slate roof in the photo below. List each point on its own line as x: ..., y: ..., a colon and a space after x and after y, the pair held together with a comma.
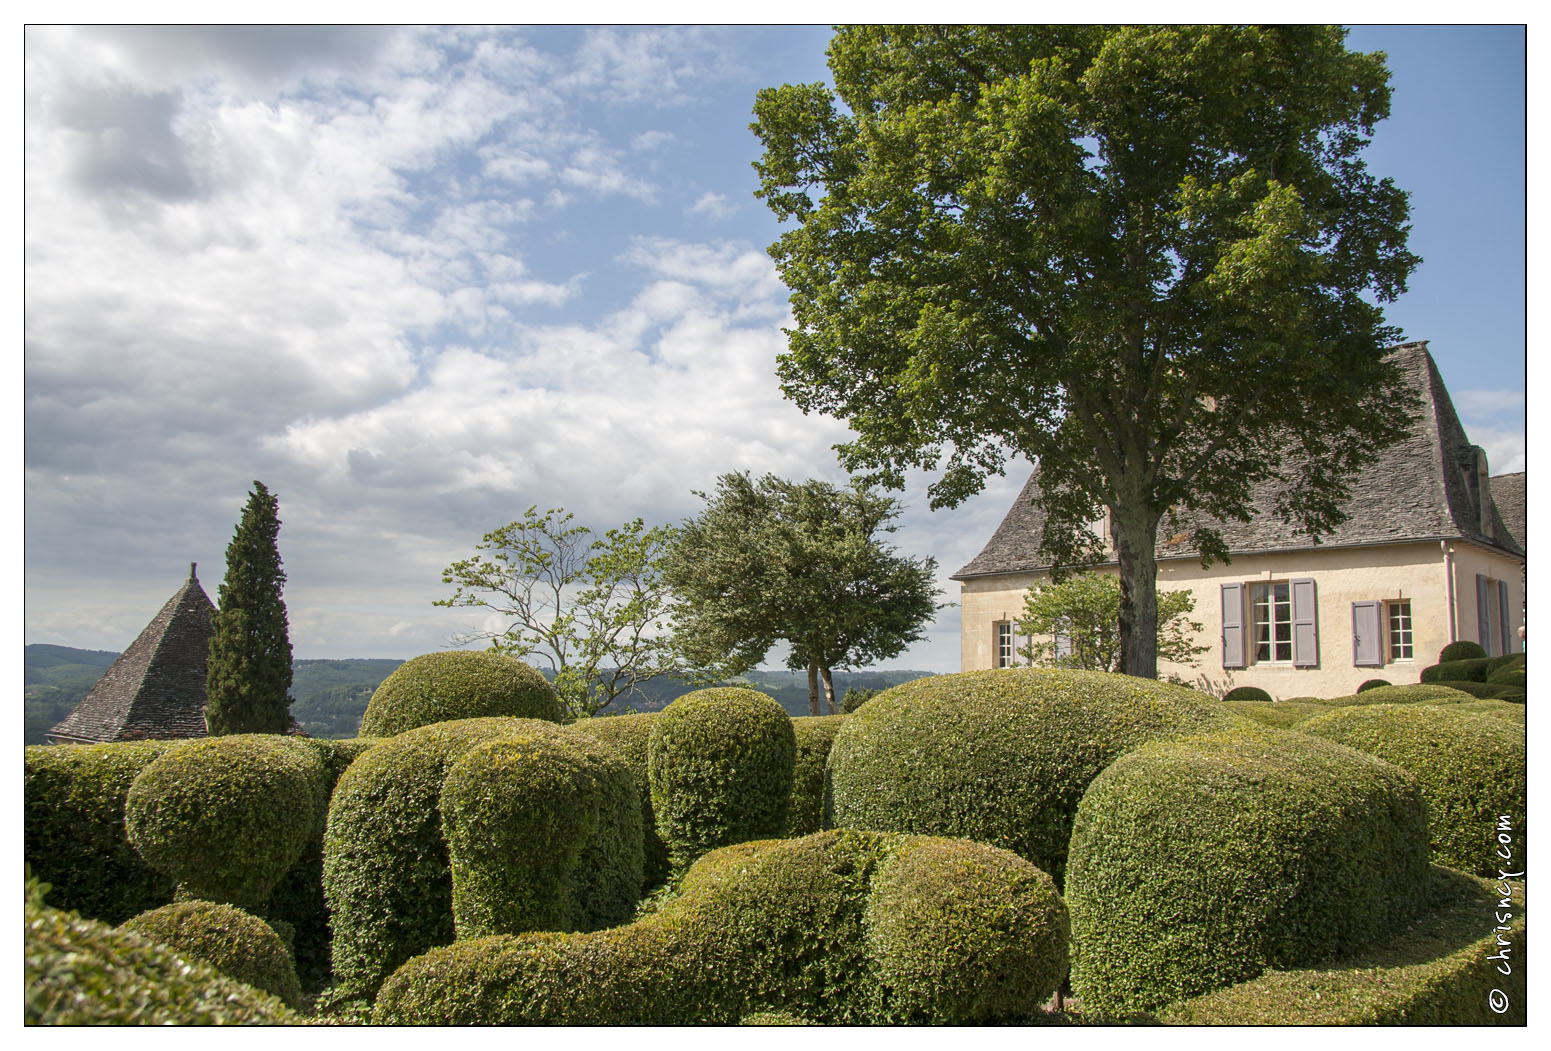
x: 156, y: 689
x: 1419, y: 489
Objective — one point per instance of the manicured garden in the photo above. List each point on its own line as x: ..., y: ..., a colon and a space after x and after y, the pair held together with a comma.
x: 1002, y: 847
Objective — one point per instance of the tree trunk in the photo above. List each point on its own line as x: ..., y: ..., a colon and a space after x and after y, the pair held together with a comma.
x: 813, y: 687
x: 1136, y: 541
x: 829, y: 690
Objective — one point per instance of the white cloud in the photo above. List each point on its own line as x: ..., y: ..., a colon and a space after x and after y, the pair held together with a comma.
x: 1479, y: 404
x: 712, y: 205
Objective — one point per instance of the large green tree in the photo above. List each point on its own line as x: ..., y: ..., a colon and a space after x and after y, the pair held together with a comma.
x: 802, y: 562
x: 1075, y: 623
x: 1147, y: 259
x: 248, y: 677
x: 592, y: 608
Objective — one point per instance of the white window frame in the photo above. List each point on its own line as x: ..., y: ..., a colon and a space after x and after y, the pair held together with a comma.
x: 1392, y: 643
x: 1266, y: 592
x: 1004, y: 645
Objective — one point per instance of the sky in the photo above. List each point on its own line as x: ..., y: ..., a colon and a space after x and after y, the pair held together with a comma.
x: 418, y: 280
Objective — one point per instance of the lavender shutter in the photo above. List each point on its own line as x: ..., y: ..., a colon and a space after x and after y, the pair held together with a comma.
x: 1233, y: 625
x: 1367, y: 635
x: 1483, y: 616
x: 1502, y: 607
x: 1305, y: 625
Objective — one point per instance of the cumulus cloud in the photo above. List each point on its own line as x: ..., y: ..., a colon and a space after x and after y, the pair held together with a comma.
x: 713, y: 206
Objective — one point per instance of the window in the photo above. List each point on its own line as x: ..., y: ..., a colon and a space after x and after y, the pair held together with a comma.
x: 1271, y: 622
x: 1006, y: 645
x: 1400, y: 640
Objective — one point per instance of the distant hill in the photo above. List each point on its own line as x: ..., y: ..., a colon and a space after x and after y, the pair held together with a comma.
x: 331, y: 695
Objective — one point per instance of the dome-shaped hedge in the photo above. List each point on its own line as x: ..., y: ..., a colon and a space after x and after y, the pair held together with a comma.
x: 1277, y: 713
x: 1372, y: 684
x: 815, y: 737
x: 1002, y: 756
x: 837, y: 927
x: 1199, y: 863
x: 720, y: 763
x: 627, y: 737
x: 458, y: 684
x: 1246, y: 693
x: 1463, y: 650
x: 1471, y: 771
x: 1405, y: 693
x: 237, y: 944
x: 227, y: 816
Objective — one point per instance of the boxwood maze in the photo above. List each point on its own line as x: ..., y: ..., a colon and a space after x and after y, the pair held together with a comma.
x: 490, y: 868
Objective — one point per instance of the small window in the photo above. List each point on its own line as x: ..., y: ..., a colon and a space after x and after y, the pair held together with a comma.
x: 1400, y: 639
x: 1006, y: 645
x: 1271, y: 616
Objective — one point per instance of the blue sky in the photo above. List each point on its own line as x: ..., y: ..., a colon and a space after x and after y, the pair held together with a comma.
x: 417, y: 280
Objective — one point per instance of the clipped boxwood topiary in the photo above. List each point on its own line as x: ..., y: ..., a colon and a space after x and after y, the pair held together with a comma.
x: 458, y: 684
x: 1471, y: 771
x: 83, y: 972
x: 811, y: 927
x: 815, y: 736
x: 1508, y: 711
x: 1246, y: 693
x: 1508, y: 671
x: 1284, y: 714
x: 544, y: 833
x: 1199, y: 863
x: 627, y: 737
x: 73, y: 828
x: 1442, y: 970
x: 720, y: 763
x: 1001, y: 756
x: 1463, y: 650
x: 227, y: 816
x: 1475, y: 669
x: 235, y: 943
x: 1373, y: 684
x: 1406, y: 693
x: 387, y: 877
x: 1486, y: 690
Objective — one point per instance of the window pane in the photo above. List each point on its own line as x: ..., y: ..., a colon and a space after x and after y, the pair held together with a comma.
x: 1400, y: 631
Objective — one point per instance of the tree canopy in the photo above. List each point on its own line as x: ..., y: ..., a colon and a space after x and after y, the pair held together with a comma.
x: 248, y: 675
x: 1075, y: 623
x: 1148, y: 259
x: 801, y: 562
x: 593, y: 608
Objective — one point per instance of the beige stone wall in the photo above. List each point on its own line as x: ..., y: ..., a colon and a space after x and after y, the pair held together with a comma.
x: 1417, y: 572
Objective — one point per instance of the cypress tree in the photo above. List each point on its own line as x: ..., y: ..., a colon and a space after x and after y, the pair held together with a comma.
x: 248, y: 682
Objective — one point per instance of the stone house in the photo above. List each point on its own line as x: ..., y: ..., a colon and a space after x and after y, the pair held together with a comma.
x: 1433, y: 550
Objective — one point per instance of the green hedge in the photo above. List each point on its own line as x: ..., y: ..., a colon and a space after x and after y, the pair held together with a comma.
x: 1488, y: 690
x: 386, y: 873
x: 815, y: 736
x: 811, y: 927
x: 73, y: 828
x: 1284, y: 714
x: 1199, y: 863
x: 544, y: 833
x: 1470, y: 769
x: 1407, y: 693
x: 239, y: 945
x: 1001, y: 757
x: 720, y: 763
x: 1475, y: 670
x: 628, y: 736
x: 1463, y: 650
x: 1509, y: 671
x: 458, y: 684
x: 1246, y: 693
x: 1439, y: 972
x: 83, y: 972
x: 227, y: 816
x: 1495, y: 709
x: 1373, y: 684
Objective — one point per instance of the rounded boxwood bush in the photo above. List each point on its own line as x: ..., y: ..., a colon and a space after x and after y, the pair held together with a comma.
x: 544, y: 833
x: 387, y: 876
x: 237, y: 944
x: 809, y: 927
x: 627, y: 737
x: 1277, y: 713
x: 225, y: 817
x: 1508, y: 711
x: 1373, y: 684
x: 1201, y: 862
x: 1508, y: 671
x: 1471, y: 771
x: 1246, y: 693
x: 1474, y: 669
x: 815, y: 736
x: 1406, y: 693
x: 1463, y: 650
x: 458, y: 684
x: 1486, y: 690
x: 720, y: 763
x: 73, y: 828
x: 83, y: 972
x: 1000, y: 756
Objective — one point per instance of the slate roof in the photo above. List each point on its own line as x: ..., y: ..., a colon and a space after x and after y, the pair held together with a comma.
x: 156, y: 688
x: 1419, y: 489
x: 1508, y: 495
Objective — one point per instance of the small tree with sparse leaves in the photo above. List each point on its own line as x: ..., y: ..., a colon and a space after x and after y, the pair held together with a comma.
x: 1076, y: 624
